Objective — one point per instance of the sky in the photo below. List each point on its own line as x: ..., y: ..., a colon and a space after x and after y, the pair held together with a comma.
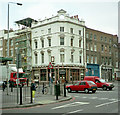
x: 98, y: 14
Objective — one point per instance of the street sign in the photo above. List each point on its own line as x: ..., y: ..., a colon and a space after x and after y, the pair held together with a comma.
x: 50, y: 66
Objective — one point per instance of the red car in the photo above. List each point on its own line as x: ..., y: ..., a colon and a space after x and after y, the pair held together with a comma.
x: 82, y: 86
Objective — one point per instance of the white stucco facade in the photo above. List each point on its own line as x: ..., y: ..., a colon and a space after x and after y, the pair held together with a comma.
x: 63, y: 38
x: 40, y: 32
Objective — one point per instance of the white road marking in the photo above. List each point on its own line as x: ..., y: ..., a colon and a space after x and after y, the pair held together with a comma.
x: 93, y: 97
x: 102, y: 98
x: 113, y: 99
x: 71, y: 105
x: 107, y: 103
x: 84, y: 97
x: 75, y: 111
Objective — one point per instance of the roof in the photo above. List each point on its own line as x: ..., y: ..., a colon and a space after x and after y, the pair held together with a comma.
x: 26, y: 22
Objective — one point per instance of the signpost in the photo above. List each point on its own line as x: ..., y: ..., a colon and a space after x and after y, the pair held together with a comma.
x: 50, y: 66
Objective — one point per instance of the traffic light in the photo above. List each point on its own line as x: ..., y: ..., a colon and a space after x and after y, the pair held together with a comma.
x: 19, y: 64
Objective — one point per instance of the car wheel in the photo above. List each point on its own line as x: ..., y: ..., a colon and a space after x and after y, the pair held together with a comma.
x: 110, y: 88
x: 69, y: 90
x: 104, y: 88
x: 93, y: 91
x: 86, y: 91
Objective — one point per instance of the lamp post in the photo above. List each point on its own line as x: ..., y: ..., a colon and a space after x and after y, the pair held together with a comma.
x: 8, y: 41
x: 8, y: 24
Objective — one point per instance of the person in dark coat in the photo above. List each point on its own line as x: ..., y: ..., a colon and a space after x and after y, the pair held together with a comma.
x: 3, y: 85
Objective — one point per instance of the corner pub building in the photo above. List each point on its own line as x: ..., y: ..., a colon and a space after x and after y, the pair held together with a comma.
x: 61, y: 41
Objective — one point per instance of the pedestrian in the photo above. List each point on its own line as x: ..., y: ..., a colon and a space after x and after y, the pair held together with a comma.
x: 27, y: 82
x: 33, y: 88
x: 3, y: 85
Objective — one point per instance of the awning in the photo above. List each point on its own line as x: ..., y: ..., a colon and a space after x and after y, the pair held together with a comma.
x: 5, y: 59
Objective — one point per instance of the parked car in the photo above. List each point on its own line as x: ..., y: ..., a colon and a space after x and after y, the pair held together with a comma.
x: 82, y: 86
x: 101, y: 83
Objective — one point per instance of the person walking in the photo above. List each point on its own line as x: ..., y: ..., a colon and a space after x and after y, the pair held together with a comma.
x: 33, y: 88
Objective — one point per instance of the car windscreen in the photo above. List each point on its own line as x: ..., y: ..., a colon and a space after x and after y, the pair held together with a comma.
x: 91, y: 83
x: 102, y: 80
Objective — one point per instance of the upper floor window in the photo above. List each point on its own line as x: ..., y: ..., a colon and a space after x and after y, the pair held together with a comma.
x: 49, y: 42
x: 87, y: 35
x: 36, y: 44
x: 71, y: 41
x: 36, y: 58
x: 95, y: 38
x: 101, y: 38
x: 109, y: 50
x: 62, y: 56
x: 42, y: 54
x: 42, y: 41
x: 87, y: 46
x: 80, y: 57
x: 91, y: 59
x: 102, y: 48
x: 79, y: 43
x: 49, y: 30
x: 61, y: 40
x: 95, y: 47
x: 11, y: 42
x: 79, y: 32
x: 61, y: 29
x: 87, y: 59
x: 95, y: 60
x: 105, y: 39
x: 11, y: 52
x: 91, y: 36
x: 72, y: 58
x: 71, y: 30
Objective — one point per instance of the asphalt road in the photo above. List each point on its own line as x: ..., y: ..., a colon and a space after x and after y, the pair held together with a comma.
x: 99, y: 102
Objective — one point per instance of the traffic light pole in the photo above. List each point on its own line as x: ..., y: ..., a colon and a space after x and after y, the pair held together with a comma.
x: 18, y: 66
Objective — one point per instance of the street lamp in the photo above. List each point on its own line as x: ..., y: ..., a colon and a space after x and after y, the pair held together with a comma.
x: 8, y: 41
x: 8, y: 24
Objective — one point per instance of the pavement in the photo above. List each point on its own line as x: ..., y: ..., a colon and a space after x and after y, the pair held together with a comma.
x: 10, y: 101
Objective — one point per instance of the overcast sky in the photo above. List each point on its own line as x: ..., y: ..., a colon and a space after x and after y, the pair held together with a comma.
x: 98, y: 14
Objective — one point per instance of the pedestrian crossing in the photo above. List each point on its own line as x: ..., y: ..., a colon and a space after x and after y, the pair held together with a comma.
x: 97, y: 98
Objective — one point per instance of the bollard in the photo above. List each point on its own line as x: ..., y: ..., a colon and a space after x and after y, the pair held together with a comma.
x: 43, y: 89
x: 56, y: 92
x: 64, y: 90
x: 20, y: 95
x: 11, y: 88
x: 31, y: 95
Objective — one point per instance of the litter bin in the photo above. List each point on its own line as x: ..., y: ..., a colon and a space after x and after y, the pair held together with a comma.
x: 57, y: 89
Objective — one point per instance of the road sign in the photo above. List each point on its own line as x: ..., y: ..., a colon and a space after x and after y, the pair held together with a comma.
x: 50, y: 66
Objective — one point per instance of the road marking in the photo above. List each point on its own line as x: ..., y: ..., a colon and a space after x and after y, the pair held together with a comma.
x: 76, y: 111
x: 93, y: 97
x: 102, y: 98
x: 113, y: 99
x: 71, y: 105
x: 84, y: 97
x: 107, y: 103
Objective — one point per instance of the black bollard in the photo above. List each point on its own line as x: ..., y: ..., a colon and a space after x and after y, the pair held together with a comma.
x: 20, y: 95
x: 56, y: 92
x: 64, y: 90
x: 43, y: 89
x: 31, y: 95
x: 11, y: 88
